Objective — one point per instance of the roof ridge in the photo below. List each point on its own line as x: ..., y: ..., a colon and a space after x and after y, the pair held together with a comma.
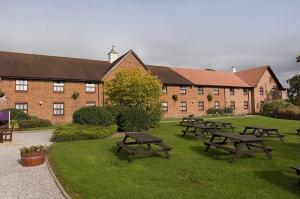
x: 254, y: 68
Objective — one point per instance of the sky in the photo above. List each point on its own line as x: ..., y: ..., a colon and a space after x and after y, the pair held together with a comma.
x: 216, y: 34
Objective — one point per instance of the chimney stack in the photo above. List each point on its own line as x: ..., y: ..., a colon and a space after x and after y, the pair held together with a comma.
x: 112, y: 55
x: 233, y: 69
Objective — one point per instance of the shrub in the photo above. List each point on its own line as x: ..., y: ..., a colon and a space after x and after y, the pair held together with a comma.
x: 222, y: 111
x: 33, y: 123
x: 134, y: 119
x: 115, y: 111
x: 73, y: 132
x: 281, y: 109
x: 227, y: 110
x: 213, y: 111
x: 93, y: 115
x: 18, y: 115
x: 2, y: 94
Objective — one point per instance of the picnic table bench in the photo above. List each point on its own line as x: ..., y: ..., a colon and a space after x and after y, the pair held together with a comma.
x: 197, y: 129
x: 252, y: 144
x: 6, y: 134
x: 142, y: 139
x: 262, y: 132
x: 220, y: 124
x: 297, y: 169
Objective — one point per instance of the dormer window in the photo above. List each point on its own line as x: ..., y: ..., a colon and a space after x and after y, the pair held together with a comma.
x: 90, y: 87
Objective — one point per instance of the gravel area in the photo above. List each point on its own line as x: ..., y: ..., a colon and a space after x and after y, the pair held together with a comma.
x: 25, y: 182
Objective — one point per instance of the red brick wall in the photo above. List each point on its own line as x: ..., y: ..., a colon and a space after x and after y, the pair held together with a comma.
x: 42, y: 91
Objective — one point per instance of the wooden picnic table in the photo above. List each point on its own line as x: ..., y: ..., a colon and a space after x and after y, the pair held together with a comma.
x: 142, y: 139
x: 6, y: 134
x: 197, y: 129
x: 297, y: 169
x: 260, y: 131
x: 241, y: 144
x: 223, y: 125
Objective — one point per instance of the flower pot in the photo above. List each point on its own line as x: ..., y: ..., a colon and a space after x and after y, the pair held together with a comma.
x: 33, y: 159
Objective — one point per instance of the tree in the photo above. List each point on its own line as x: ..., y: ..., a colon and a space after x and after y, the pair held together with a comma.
x: 134, y: 88
x: 294, y: 90
x: 298, y: 58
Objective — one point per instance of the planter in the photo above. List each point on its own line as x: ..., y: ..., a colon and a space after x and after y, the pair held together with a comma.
x: 32, y: 159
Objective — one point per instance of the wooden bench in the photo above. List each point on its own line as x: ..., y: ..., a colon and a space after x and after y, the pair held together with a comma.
x: 297, y: 169
x: 6, y: 134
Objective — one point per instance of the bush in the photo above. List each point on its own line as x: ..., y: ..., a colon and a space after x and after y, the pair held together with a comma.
x: 33, y: 123
x: 18, y: 115
x: 222, y: 111
x: 227, y: 110
x: 93, y: 115
x: 281, y: 109
x: 73, y: 132
x: 134, y: 119
x: 115, y: 111
x: 155, y: 116
x: 213, y: 111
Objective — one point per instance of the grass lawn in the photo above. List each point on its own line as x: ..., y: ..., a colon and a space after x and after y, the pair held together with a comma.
x: 92, y: 169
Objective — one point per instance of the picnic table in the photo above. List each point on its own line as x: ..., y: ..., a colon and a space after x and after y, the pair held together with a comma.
x: 262, y: 132
x: 6, y: 134
x: 297, y: 169
x: 241, y: 144
x: 142, y: 140
x: 298, y: 131
x: 197, y: 129
x: 220, y: 124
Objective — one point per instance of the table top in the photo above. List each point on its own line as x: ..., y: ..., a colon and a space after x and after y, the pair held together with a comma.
x: 261, y: 127
x: 142, y: 137
x: 243, y: 138
x: 217, y: 122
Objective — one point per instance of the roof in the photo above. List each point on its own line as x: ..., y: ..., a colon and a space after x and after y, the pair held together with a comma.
x: 211, y: 78
x: 168, y: 76
x: 253, y: 75
x: 29, y: 66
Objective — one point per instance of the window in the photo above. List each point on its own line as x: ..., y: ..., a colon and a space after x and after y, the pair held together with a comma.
x: 164, y: 89
x: 183, y: 106
x: 216, y: 91
x: 261, y: 90
x: 91, y: 104
x: 200, y: 105
x: 273, y: 91
x: 216, y: 104
x: 58, y: 109
x: 246, y: 105
x: 232, y: 105
x: 21, y: 85
x: 22, y: 107
x: 245, y: 91
x: 58, y: 86
x: 90, y: 87
x: 164, y: 106
x: 200, y: 90
x: 182, y: 89
x: 231, y: 91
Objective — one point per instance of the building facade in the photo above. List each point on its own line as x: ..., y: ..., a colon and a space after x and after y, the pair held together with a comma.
x: 53, y: 88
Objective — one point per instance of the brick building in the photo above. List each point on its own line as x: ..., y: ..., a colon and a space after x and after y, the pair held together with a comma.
x: 43, y: 85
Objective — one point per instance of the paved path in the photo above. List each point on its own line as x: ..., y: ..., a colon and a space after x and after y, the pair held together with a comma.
x: 25, y: 182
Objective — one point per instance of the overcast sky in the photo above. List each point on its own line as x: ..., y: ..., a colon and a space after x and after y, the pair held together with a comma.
x: 214, y: 34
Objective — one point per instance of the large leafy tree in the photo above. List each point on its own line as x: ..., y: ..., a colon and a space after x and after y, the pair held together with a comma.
x: 294, y: 89
x: 134, y: 88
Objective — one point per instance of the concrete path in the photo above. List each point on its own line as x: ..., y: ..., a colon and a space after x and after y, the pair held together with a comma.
x: 25, y: 182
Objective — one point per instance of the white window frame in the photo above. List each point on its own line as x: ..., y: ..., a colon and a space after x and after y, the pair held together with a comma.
x: 21, y: 85
x: 183, y: 89
x: 200, y: 90
x: 164, y: 89
x: 58, y: 86
x: 22, y: 107
x: 90, y: 104
x: 216, y: 91
x: 231, y: 91
x: 183, y: 106
x: 232, y: 105
x: 90, y: 87
x: 216, y: 104
x: 246, y: 105
x: 164, y: 106
x: 201, y: 108
x: 58, y: 108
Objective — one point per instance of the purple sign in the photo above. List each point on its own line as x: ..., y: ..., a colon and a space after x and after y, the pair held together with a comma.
x: 4, y: 115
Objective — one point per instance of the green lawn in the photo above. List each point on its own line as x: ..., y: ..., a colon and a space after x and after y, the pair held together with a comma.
x: 92, y: 169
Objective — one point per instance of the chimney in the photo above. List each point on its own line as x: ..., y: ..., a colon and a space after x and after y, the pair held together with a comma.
x: 112, y: 55
x: 233, y: 69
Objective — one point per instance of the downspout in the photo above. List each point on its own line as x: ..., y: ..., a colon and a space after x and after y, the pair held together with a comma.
x: 225, y: 96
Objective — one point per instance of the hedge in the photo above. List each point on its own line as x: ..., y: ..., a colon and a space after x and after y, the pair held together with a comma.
x: 73, y: 132
x: 222, y: 111
x: 33, y: 123
x: 17, y: 115
x: 93, y: 115
x: 281, y: 109
x: 134, y: 119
